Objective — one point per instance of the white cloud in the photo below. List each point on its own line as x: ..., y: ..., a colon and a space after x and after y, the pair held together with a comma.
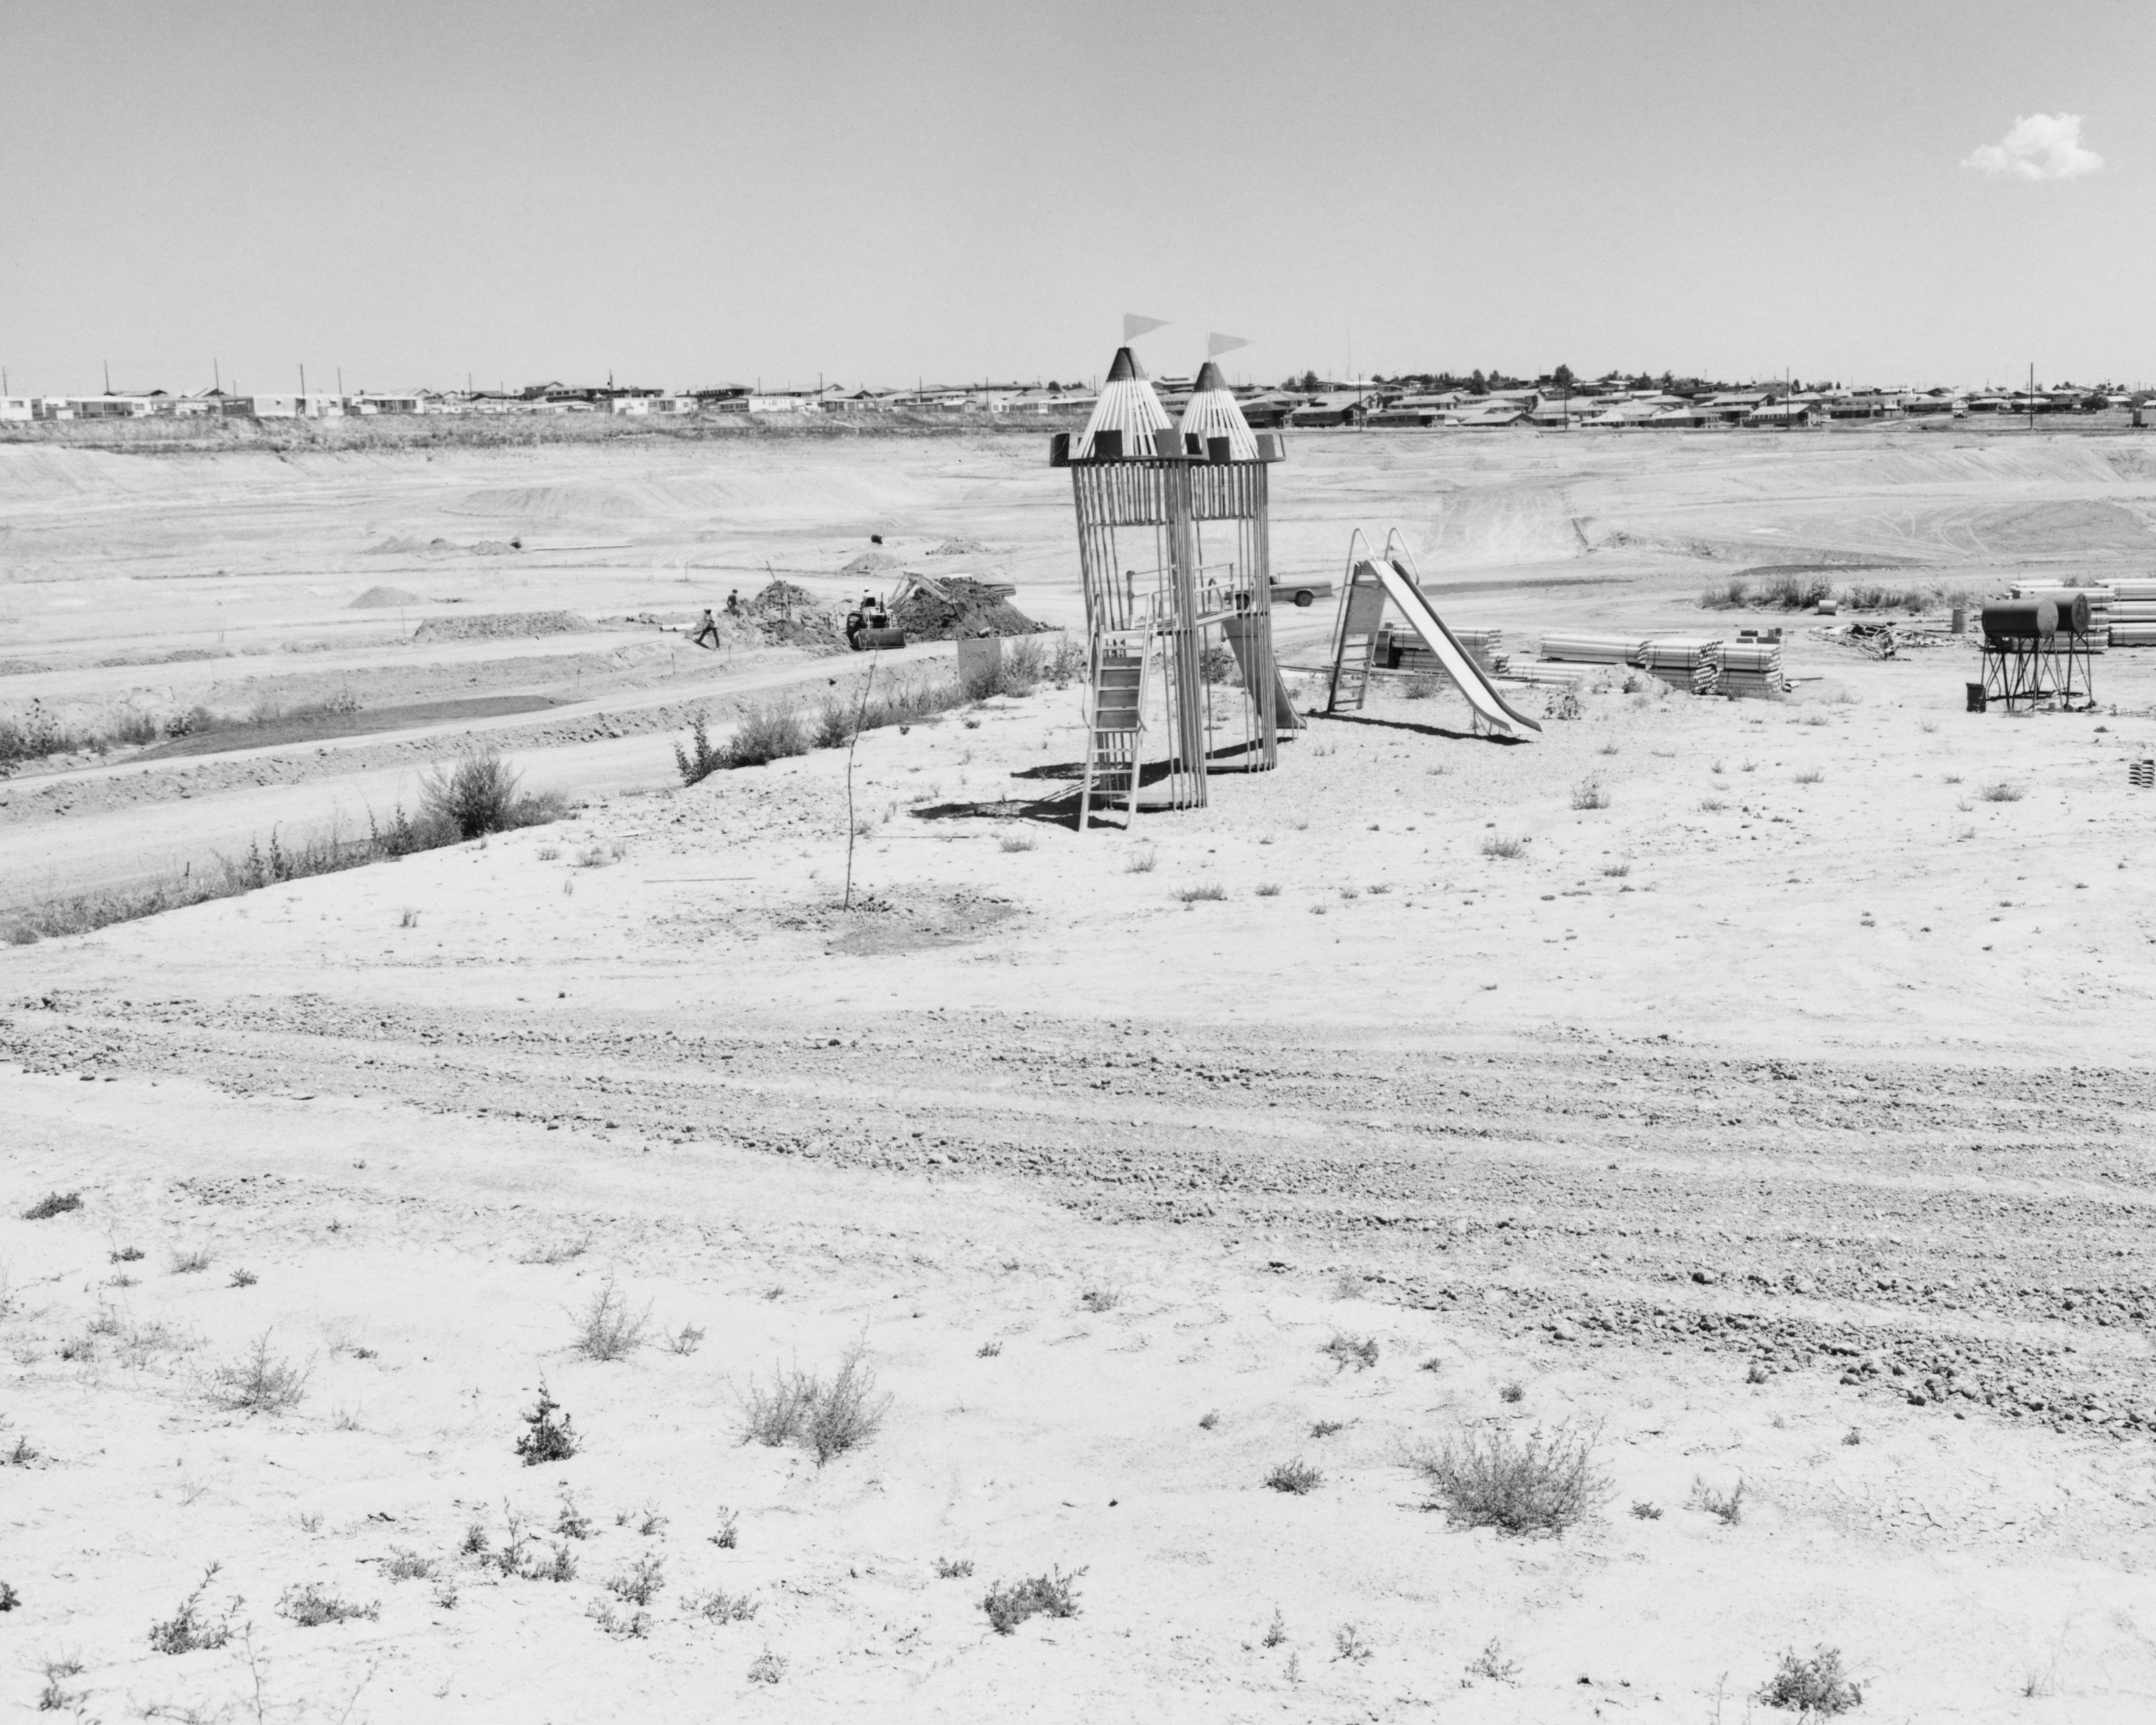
x: 2042, y: 146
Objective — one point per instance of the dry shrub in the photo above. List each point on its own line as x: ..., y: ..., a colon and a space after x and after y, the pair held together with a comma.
x: 2003, y: 792
x: 192, y: 1627
x: 310, y: 1607
x: 1343, y: 1350
x: 1543, y: 1483
x: 53, y: 1203
x: 606, y: 1329
x: 1010, y: 1604
x: 546, y: 1439
x: 1497, y: 845
x: 826, y: 1419
x: 1590, y: 793
x: 1816, y: 1687
x: 478, y: 796
x: 1297, y: 1478
x: 259, y: 1381
x: 1726, y: 1507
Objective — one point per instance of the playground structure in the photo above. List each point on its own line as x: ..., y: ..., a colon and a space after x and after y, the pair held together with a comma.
x: 1372, y: 584
x: 1176, y: 564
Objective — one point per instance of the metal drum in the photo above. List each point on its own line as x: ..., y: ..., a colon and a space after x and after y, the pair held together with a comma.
x: 2073, y: 609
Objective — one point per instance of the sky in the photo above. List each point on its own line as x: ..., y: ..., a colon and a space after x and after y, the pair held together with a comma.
x: 690, y: 192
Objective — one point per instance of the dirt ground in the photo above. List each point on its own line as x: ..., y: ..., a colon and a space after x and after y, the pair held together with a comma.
x: 1783, y: 1123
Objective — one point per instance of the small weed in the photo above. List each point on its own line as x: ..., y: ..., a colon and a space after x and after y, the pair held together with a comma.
x: 1642, y: 1510
x: 243, y: 1278
x: 1348, y: 1643
x: 53, y: 1203
x: 9, y: 1598
x: 622, y: 1626
x: 1543, y: 1483
x: 1852, y: 1437
x: 191, y: 1626
x: 191, y: 1263
x: 1297, y: 1478
x: 1492, y: 1663
x: 1509, y: 848
x: 409, y: 919
x: 258, y: 1382
x: 475, y: 1542
x: 544, y: 1438
x: 591, y: 857
x: 1266, y: 889
x: 403, y: 1565
x: 827, y: 1420
x: 1590, y: 793
x: 639, y: 1585
x: 559, y: 1252
x: 560, y: 1564
x: 1343, y: 1350
x: 1143, y: 859
x: 1100, y: 1299
x: 1012, y: 843
x: 572, y: 1522
x: 1809, y: 775
x: 1711, y: 805
x: 1276, y: 1630
x: 1055, y: 1594
x: 1351, y: 893
x: 545, y: 853
x: 685, y: 1341
x: 987, y: 1350
x: 606, y: 1329
x: 646, y: 1521
x: 1756, y: 1373
x: 1208, y: 1420
x: 310, y: 1607
x: 22, y: 1455
x: 953, y: 1569
x: 1199, y: 892
x: 2002, y: 792
x: 1327, y: 1428
x: 125, y: 1254
x: 54, y: 1697
x: 1512, y: 1392
x: 1815, y: 1687
x: 768, y: 1668
x: 1727, y: 1507
x: 1717, y: 766
x: 1617, y: 870
x: 720, y: 1606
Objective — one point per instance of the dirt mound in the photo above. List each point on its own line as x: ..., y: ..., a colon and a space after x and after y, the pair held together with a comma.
x: 381, y: 598
x: 793, y: 617
x: 868, y: 563
x: 500, y: 623
x: 398, y: 547
x: 952, y: 605
x: 960, y: 548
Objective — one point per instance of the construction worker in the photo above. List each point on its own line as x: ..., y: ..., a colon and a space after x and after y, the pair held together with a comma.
x: 733, y: 603
x: 707, y: 631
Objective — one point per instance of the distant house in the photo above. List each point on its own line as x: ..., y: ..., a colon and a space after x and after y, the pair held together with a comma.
x: 17, y: 407
x: 371, y: 405
x: 787, y: 401
x: 1336, y: 406
x: 1785, y: 415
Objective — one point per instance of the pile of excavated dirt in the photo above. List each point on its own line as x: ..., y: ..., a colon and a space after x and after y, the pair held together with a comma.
x: 792, y: 616
x: 381, y: 598
x: 959, y: 548
x: 396, y: 545
x: 500, y: 623
x: 955, y: 606
x: 868, y: 563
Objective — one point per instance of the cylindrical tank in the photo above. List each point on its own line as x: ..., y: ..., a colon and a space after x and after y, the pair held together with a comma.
x: 2073, y: 612
x: 2020, y: 620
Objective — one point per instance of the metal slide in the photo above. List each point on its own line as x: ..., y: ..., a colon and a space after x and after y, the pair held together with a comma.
x: 1285, y: 716
x: 1396, y: 569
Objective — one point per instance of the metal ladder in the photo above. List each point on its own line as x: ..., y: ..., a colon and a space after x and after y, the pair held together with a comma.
x: 1356, y: 628
x: 1115, y: 725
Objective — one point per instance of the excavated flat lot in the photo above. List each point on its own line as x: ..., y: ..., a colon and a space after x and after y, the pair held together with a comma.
x: 1782, y: 1124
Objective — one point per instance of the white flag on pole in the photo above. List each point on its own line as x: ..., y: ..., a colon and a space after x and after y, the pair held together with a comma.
x: 1217, y: 344
x: 1134, y: 326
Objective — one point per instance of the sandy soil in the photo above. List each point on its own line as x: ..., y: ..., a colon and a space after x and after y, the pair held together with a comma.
x: 1798, y: 1141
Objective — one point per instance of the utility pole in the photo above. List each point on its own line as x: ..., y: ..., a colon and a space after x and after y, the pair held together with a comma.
x: 303, y: 386
x: 2032, y: 395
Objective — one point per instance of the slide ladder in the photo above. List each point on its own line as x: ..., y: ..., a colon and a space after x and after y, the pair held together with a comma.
x: 1372, y: 581
x: 1115, y: 727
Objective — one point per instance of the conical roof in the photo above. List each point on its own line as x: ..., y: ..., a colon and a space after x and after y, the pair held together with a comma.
x: 1213, y: 412
x: 1128, y: 405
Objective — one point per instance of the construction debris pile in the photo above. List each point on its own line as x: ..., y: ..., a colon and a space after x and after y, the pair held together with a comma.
x: 949, y: 606
x: 488, y: 624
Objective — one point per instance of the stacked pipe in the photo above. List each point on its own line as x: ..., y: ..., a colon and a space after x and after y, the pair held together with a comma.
x: 1593, y: 649
x: 2105, y: 609
x: 1689, y: 662
x: 1752, y: 667
x: 2142, y: 774
x: 1405, y: 649
x: 1553, y: 676
x: 2133, y: 613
